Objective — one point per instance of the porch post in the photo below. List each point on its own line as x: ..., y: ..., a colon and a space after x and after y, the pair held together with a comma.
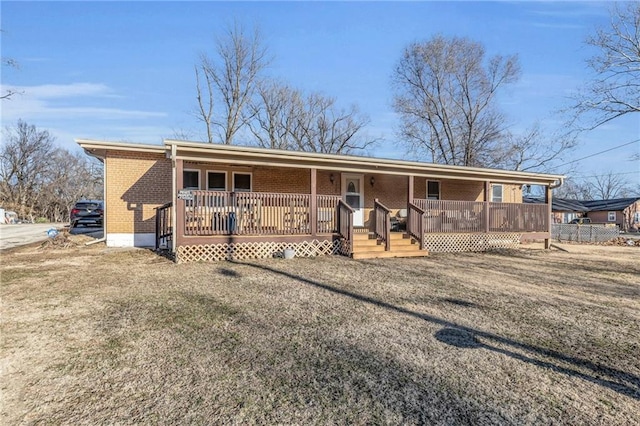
x: 174, y: 198
x: 178, y: 230
x: 410, y: 195
x: 313, y: 204
x: 487, y: 199
x: 548, y: 200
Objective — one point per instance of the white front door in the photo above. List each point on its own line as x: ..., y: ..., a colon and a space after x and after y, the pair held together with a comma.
x: 353, y: 195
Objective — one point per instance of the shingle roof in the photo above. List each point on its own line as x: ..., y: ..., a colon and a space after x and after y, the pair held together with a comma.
x: 609, y: 205
x: 565, y: 205
x: 559, y: 204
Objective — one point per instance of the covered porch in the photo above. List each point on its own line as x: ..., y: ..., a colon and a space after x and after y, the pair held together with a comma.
x: 231, y: 201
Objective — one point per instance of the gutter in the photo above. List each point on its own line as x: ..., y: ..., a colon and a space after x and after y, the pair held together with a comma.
x: 558, y: 184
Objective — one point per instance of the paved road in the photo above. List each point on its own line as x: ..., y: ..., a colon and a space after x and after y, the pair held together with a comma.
x: 17, y: 235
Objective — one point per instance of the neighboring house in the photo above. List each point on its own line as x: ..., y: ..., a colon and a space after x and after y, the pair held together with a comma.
x: 624, y: 212
x: 210, y: 201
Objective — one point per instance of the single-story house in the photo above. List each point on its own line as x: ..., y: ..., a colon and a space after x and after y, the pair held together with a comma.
x: 205, y: 201
x: 623, y: 212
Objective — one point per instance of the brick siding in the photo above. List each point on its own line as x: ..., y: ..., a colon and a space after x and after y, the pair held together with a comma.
x: 136, y: 183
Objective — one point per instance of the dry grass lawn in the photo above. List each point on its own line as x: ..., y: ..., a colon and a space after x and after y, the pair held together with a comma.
x: 92, y: 335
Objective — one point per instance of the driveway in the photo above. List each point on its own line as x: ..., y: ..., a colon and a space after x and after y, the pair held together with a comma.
x: 18, y: 235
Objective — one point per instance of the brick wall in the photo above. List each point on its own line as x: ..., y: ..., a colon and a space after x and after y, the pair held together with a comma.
x: 461, y: 190
x: 136, y: 183
x: 603, y: 217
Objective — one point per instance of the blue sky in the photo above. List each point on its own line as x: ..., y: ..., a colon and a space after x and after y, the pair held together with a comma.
x: 123, y: 71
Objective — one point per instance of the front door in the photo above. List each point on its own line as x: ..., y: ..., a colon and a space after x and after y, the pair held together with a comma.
x: 353, y: 195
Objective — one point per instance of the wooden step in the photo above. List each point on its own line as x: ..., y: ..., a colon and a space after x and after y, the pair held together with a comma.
x: 367, y: 247
x: 388, y: 254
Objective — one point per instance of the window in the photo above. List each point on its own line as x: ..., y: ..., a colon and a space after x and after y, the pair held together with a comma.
x: 496, y: 193
x: 217, y: 181
x: 433, y: 190
x: 191, y: 179
x: 568, y: 217
x: 636, y: 217
x: 242, y: 182
x: 611, y: 217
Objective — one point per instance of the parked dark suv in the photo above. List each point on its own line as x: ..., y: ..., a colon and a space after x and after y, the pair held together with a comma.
x: 87, y: 212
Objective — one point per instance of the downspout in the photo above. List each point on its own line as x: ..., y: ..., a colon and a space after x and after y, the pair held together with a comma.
x: 101, y: 240
x: 174, y: 196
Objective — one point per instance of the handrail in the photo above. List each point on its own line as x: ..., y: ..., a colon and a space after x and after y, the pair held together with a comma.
x: 345, y: 225
x: 382, y: 228
x: 164, y: 231
x: 416, y: 223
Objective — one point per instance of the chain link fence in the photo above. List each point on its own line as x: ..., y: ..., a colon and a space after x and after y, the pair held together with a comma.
x: 584, y: 233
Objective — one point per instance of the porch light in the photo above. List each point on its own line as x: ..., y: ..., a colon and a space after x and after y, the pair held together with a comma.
x: 372, y: 180
x: 332, y: 178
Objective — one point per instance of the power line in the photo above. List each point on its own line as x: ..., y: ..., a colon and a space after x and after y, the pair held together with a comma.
x: 607, y: 173
x: 597, y: 153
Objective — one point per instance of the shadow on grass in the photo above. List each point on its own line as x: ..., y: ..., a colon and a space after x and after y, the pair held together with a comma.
x: 459, y: 302
x: 614, y: 379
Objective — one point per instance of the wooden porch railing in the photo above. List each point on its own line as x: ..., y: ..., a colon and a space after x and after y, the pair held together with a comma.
x: 443, y: 216
x: 345, y: 224
x: 256, y: 213
x: 164, y: 230
x: 382, y: 218
x: 416, y: 223
x: 512, y: 217
x: 327, y: 212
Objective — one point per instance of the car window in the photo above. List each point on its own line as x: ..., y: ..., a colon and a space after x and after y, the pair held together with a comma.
x: 88, y: 206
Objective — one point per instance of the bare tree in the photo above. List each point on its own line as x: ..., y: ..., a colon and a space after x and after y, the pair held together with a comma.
x: 615, y: 89
x: 610, y: 185
x: 445, y: 92
x: 605, y: 186
x: 275, y: 113
x: 25, y: 159
x: 326, y: 128
x: 81, y: 177
x: 532, y: 150
x: 38, y: 179
x: 230, y: 77
x: 205, y: 104
x: 285, y: 118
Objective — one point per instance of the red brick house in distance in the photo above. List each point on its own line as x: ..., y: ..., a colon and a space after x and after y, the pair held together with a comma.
x: 211, y: 202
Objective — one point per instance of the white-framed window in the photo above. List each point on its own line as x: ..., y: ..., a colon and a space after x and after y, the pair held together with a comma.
x: 216, y: 180
x: 496, y: 193
x: 568, y: 217
x: 611, y: 217
x: 242, y: 182
x: 636, y: 217
x: 433, y: 190
x: 191, y: 179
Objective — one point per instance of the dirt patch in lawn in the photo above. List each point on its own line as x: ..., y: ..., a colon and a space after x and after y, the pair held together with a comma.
x: 96, y: 335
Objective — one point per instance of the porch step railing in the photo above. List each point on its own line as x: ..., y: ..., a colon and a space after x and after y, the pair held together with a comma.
x: 164, y: 229
x: 382, y: 218
x: 416, y: 223
x: 345, y: 225
x: 257, y: 213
